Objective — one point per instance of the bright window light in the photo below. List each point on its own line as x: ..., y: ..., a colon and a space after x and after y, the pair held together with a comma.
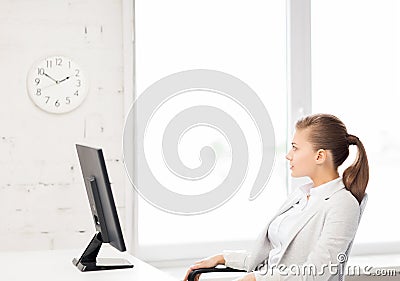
x: 246, y: 39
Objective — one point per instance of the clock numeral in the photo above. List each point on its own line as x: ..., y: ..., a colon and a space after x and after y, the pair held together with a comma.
x: 40, y: 71
x: 49, y: 64
x: 58, y: 61
x: 67, y: 100
x: 37, y: 81
x: 76, y: 93
x: 76, y: 72
x: 38, y: 92
x: 69, y: 64
x: 57, y: 103
x: 48, y: 98
x: 78, y: 82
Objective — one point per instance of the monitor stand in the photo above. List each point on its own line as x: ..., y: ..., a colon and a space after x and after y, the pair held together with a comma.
x: 89, y: 261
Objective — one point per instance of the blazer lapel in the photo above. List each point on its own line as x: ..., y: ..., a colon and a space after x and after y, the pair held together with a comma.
x: 300, y: 224
x: 262, y: 245
x: 309, y: 214
x: 289, y: 202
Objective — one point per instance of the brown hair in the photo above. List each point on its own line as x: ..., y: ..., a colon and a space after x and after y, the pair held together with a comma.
x: 328, y: 132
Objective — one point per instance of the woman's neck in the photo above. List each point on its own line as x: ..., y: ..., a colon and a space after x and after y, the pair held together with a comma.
x: 326, y: 177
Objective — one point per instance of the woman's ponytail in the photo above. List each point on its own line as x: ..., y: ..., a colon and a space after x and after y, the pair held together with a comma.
x: 356, y: 176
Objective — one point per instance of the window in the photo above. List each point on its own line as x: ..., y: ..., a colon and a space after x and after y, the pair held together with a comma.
x: 355, y: 75
x: 244, y: 39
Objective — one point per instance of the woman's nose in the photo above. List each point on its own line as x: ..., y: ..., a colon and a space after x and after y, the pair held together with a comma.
x: 288, y: 156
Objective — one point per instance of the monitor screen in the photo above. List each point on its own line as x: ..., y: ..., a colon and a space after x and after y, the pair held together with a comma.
x: 102, y: 205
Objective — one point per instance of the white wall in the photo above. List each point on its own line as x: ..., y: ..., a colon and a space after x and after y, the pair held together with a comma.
x: 43, y: 203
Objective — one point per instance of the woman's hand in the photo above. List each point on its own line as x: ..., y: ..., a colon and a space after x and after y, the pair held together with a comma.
x: 209, y: 262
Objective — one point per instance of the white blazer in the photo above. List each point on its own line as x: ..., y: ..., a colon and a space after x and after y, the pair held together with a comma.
x: 325, y: 232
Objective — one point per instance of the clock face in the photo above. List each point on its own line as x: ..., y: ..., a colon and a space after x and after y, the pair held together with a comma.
x: 57, y: 84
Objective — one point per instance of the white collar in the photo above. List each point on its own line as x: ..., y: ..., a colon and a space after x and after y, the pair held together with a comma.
x: 309, y: 188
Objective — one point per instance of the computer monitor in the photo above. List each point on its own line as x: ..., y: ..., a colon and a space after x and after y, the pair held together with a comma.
x: 105, y: 217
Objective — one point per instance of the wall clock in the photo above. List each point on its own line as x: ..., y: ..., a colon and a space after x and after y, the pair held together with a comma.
x: 57, y: 84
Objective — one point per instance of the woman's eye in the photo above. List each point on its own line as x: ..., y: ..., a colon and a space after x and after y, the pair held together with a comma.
x: 294, y: 148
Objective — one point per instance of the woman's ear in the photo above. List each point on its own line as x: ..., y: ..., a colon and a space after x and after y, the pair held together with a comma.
x: 321, y: 156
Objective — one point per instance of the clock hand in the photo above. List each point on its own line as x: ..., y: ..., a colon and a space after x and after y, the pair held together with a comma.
x: 50, y: 77
x: 66, y: 78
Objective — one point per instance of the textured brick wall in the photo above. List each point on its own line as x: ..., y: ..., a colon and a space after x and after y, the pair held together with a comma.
x: 43, y: 203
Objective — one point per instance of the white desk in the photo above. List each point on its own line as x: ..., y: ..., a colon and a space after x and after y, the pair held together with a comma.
x: 57, y: 266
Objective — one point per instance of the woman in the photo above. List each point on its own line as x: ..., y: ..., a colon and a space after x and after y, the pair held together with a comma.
x: 318, y: 220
